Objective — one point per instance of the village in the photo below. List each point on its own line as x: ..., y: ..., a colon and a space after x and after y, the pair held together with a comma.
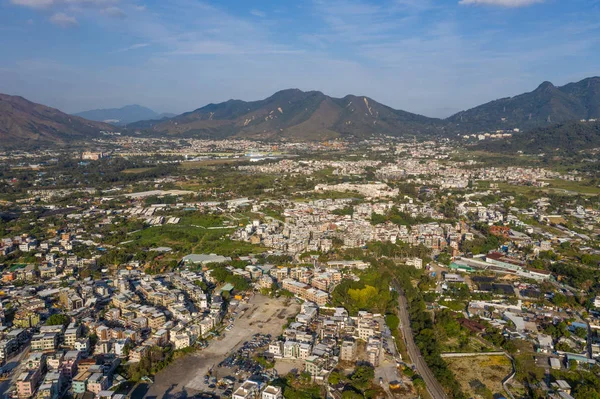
x: 106, y: 291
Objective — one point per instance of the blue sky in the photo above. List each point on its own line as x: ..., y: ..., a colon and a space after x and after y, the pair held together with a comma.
x: 433, y: 57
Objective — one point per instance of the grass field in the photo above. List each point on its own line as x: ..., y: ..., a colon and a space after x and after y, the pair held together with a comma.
x: 211, y: 162
x: 578, y: 187
x: 194, y: 234
x: 135, y: 171
x: 474, y: 345
x: 480, y: 376
x: 556, y: 186
x: 495, y: 159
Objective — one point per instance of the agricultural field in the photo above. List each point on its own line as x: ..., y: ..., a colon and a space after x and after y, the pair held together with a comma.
x: 480, y: 376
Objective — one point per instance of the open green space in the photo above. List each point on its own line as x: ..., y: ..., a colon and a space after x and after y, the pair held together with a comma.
x: 193, y: 234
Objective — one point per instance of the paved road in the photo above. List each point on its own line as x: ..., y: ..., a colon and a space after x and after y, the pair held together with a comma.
x: 13, y: 365
x: 433, y: 386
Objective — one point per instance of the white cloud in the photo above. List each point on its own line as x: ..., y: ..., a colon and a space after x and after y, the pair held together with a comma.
x: 48, y: 3
x: 64, y: 11
x: 214, y: 32
x: 132, y: 47
x: 501, y: 3
x: 33, y: 3
x: 389, y: 51
x: 115, y: 12
x: 63, y: 20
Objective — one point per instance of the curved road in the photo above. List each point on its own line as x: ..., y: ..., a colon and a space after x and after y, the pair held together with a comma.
x: 433, y: 386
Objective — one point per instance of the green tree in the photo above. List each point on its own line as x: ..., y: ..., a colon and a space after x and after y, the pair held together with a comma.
x: 335, y: 377
x: 392, y: 321
x: 586, y: 392
x: 351, y: 394
x: 444, y: 258
x: 305, y: 377
x: 58, y: 319
x: 559, y: 299
x: 362, y: 377
x: 581, y: 332
x: 572, y: 365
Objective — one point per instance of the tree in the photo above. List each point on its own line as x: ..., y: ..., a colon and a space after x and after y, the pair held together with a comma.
x: 581, y: 332
x: 377, y: 219
x: 305, y: 377
x: 362, y: 377
x: 58, y: 319
x: 335, y: 377
x: 559, y: 299
x: 563, y: 347
x: 444, y: 258
x: 201, y: 284
x: 392, y: 321
x: 351, y: 394
x: 419, y: 384
x: 572, y: 365
x: 586, y: 392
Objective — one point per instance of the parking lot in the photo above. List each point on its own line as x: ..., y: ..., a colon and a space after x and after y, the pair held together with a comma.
x: 262, y: 315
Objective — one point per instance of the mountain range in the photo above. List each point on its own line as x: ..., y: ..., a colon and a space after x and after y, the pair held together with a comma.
x: 567, y: 138
x: 124, y: 115
x: 544, y: 106
x: 22, y: 121
x: 296, y: 115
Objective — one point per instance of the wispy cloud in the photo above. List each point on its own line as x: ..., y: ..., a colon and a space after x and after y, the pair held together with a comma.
x: 64, y: 11
x: 418, y: 55
x: 114, y: 12
x: 353, y: 21
x: 132, y: 47
x: 258, y: 13
x: 33, y: 3
x: 48, y: 3
x: 214, y: 31
x: 63, y: 20
x: 501, y: 3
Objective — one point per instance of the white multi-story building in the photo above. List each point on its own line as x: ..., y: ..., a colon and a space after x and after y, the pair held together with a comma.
x: 272, y: 392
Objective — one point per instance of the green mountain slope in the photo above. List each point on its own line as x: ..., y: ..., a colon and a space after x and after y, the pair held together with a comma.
x: 24, y: 121
x: 297, y: 115
x: 544, y: 106
x: 569, y: 138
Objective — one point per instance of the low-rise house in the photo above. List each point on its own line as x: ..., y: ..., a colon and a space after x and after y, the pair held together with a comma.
x: 248, y: 390
x: 272, y: 392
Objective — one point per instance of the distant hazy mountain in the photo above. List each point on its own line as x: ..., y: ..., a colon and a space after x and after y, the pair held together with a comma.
x: 296, y: 115
x: 166, y: 115
x: 124, y: 115
x: 544, y: 106
x: 24, y: 121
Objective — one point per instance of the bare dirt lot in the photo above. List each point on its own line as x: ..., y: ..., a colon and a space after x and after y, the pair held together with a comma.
x: 475, y: 374
x: 186, y: 375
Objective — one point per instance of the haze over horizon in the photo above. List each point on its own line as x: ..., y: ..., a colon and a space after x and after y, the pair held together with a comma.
x: 433, y: 57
